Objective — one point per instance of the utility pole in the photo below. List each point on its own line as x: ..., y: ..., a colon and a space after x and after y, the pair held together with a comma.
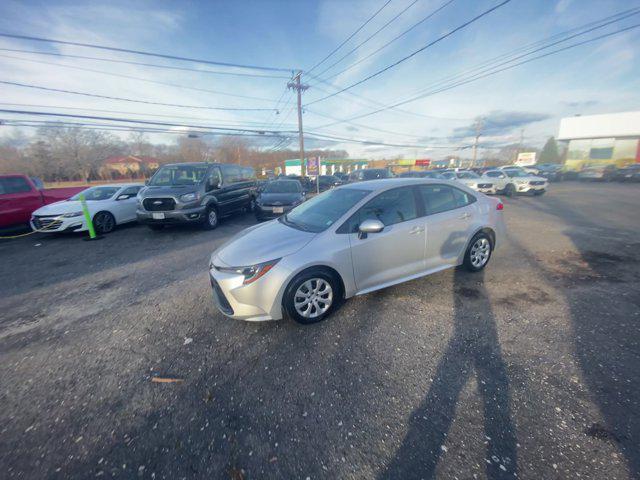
x: 520, y: 145
x: 478, y: 126
x: 299, y: 87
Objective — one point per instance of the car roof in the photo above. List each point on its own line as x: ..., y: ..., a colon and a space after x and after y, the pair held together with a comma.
x: 383, y: 183
x: 118, y: 185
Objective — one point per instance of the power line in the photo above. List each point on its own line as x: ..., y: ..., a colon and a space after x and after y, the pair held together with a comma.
x: 132, y: 120
x: 430, y: 44
x: 350, y: 36
x: 493, y: 72
x: 369, y: 37
x: 141, y: 52
x: 322, y: 136
x: 141, y: 79
x: 394, y: 39
x: 94, y: 95
x: 143, y: 64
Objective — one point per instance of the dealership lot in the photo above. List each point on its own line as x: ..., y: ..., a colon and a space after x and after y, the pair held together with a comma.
x: 532, y: 367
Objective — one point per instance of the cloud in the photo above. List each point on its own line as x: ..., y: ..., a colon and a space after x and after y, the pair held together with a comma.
x: 500, y: 123
x: 562, y: 5
x: 582, y: 103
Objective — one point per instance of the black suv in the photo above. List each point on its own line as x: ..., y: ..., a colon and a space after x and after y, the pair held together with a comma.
x: 200, y: 193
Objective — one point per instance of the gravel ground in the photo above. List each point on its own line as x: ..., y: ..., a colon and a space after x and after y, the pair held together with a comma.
x: 530, y: 369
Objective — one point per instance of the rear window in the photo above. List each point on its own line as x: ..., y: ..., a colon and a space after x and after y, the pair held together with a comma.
x: 10, y: 185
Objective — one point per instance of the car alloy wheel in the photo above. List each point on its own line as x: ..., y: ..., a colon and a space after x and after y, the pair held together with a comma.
x: 479, y: 253
x: 313, y: 298
x: 211, y: 219
x: 104, y: 222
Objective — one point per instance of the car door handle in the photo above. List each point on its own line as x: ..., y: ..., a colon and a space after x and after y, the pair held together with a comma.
x: 464, y: 216
x: 415, y: 230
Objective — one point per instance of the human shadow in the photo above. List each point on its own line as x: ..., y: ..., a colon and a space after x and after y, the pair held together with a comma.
x: 474, y: 346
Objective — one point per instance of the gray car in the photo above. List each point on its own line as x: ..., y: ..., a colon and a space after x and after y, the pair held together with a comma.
x: 353, y: 240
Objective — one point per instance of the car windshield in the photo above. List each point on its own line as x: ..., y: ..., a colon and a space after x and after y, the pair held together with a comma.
x: 283, y: 186
x: 468, y: 175
x: 174, y: 175
x: 516, y: 173
x: 372, y: 174
x: 319, y: 213
x: 96, y: 193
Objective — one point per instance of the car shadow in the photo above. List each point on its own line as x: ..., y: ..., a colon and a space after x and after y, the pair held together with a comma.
x: 474, y: 348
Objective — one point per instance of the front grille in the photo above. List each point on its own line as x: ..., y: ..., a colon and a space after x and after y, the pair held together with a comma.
x: 221, y: 300
x: 47, y: 223
x: 159, y: 204
x: 485, y: 185
x: 536, y: 182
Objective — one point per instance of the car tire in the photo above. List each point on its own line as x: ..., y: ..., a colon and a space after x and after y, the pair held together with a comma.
x: 251, y: 206
x: 478, y: 252
x: 156, y: 228
x: 104, y: 222
x: 211, y: 219
x: 314, y: 286
x: 510, y: 190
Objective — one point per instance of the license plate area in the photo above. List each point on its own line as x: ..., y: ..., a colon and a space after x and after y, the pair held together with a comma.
x: 278, y: 209
x: 157, y: 215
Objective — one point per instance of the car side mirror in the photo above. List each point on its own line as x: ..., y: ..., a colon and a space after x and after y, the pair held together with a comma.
x: 369, y: 226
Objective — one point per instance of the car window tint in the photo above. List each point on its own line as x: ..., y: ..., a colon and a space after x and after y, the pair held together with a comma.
x: 14, y: 185
x: 390, y: 207
x: 130, y: 191
x: 462, y: 198
x: 231, y: 173
x: 437, y: 198
x: 493, y: 174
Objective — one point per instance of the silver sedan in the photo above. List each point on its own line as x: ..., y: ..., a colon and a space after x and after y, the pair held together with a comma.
x: 350, y: 241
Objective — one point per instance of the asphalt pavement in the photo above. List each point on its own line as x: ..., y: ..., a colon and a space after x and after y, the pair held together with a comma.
x: 530, y: 369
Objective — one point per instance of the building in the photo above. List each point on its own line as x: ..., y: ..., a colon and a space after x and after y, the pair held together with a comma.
x: 328, y: 166
x: 130, y: 166
x: 611, y: 138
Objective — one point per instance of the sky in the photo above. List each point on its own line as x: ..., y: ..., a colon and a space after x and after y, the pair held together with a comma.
x: 528, y: 100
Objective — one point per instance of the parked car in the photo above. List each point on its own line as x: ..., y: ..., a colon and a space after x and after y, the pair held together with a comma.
x: 343, y: 177
x: 307, y: 184
x: 21, y: 195
x: 472, y: 180
x: 630, y: 173
x: 278, y: 197
x: 604, y: 173
x: 353, y: 240
x: 510, y: 181
x: 325, y: 182
x: 551, y: 171
x: 196, y: 193
x: 364, y: 174
x: 108, y: 205
x: 420, y: 174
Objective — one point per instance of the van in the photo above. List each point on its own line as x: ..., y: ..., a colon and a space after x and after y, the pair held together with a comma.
x: 196, y: 193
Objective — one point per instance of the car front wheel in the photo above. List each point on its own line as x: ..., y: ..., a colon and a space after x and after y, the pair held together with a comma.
x: 210, y: 219
x: 311, y: 296
x: 104, y: 222
x: 478, y: 252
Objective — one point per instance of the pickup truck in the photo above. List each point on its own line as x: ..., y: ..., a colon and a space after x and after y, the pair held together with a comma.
x: 21, y: 195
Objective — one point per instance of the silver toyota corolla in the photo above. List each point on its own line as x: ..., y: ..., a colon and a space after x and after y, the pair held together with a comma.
x: 353, y: 240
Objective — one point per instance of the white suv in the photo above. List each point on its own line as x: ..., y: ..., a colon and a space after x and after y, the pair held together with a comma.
x: 511, y: 181
x: 472, y: 180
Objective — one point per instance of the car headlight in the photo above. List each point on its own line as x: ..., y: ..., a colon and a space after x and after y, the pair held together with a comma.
x: 252, y: 272
x: 71, y: 214
x: 190, y: 197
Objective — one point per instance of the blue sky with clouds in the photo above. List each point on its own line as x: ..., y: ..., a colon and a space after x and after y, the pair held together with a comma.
x: 599, y: 77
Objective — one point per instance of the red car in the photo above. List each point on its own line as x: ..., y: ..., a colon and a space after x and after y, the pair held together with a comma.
x: 21, y: 195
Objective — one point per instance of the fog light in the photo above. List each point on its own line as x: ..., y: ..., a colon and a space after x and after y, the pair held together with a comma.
x: 193, y: 215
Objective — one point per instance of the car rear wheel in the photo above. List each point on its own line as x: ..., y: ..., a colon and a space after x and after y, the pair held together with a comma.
x: 210, y: 219
x: 104, y: 222
x: 311, y: 296
x: 510, y: 190
x: 478, y: 253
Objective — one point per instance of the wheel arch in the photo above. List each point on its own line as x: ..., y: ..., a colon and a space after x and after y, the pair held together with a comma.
x: 322, y: 267
x: 104, y: 210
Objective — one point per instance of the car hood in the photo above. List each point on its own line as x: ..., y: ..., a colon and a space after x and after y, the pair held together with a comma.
x: 65, y: 206
x: 261, y: 243
x: 168, y: 191
x: 469, y: 182
x: 283, y: 198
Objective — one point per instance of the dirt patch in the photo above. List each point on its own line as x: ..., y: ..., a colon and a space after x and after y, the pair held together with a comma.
x: 533, y: 296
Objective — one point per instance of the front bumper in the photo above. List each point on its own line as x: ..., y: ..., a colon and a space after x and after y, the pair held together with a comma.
x: 527, y: 188
x: 255, y: 302
x: 185, y: 215
x: 57, y: 224
x: 264, y: 211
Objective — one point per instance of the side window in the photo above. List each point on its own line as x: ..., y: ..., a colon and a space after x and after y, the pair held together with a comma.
x: 215, y: 174
x: 14, y: 185
x: 38, y: 183
x: 493, y: 174
x: 437, y: 198
x: 390, y: 207
x: 462, y: 198
x: 231, y: 173
x: 248, y: 173
x: 131, y: 191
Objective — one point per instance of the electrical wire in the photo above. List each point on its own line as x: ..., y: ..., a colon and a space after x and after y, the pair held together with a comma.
x: 122, y: 99
x: 349, y: 37
x: 142, y: 52
x: 412, y: 54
